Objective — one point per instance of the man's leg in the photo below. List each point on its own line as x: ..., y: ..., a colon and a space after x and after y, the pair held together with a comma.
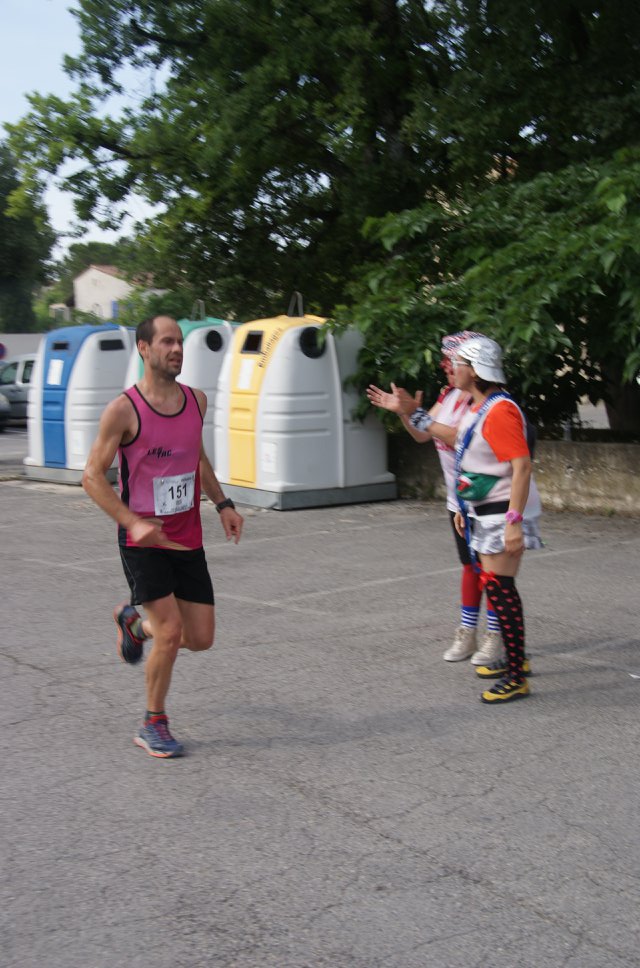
x: 174, y: 621
x: 198, y: 625
x: 165, y: 625
x: 164, y: 622
x: 173, y: 624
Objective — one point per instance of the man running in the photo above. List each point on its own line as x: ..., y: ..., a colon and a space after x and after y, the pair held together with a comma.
x: 155, y: 428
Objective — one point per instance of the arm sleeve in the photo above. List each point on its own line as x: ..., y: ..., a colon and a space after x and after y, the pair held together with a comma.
x: 504, y: 431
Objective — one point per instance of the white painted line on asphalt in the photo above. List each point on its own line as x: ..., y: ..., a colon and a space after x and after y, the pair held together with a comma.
x: 282, y: 606
x: 79, y: 565
x: 441, y: 571
x: 542, y: 554
x: 369, y: 584
x: 210, y: 544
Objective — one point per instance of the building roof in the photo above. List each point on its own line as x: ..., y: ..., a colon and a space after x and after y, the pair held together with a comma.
x: 109, y: 270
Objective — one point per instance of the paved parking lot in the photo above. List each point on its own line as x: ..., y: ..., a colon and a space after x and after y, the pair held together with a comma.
x: 347, y: 801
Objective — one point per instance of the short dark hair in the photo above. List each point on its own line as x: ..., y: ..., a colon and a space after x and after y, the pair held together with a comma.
x: 146, y: 329
x: 483, y: 385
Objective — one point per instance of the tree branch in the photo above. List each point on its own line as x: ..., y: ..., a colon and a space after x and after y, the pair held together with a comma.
x: 184, y: 43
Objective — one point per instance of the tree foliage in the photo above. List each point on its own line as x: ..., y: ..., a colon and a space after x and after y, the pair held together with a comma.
x: 141, y: 304
x: 534, y: 237
x: 489, y: 145
x: 278, y: 129
x: 25, y: 243
x: 549, y: 267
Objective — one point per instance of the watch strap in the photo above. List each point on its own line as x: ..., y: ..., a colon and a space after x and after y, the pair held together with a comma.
x: 227, y: 503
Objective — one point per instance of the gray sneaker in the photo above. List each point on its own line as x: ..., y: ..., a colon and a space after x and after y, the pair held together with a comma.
x: 491, y: 650
x: 155, y: 738
x: 463, y: 645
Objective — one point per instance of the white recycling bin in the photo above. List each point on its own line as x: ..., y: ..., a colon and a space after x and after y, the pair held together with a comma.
x: 206, y: 341
x: 78, y: 371
x: 285, y: 436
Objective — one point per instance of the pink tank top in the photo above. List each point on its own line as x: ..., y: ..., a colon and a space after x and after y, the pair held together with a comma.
x: 159, y: 469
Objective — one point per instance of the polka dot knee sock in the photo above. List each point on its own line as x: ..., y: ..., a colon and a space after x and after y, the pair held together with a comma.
x: 502, y: 593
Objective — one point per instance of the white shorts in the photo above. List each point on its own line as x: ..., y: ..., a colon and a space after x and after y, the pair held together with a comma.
x: 487, y: 534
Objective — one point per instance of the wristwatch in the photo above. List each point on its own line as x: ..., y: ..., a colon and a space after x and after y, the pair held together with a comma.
x: 513, y: 517
x: 227, y: 503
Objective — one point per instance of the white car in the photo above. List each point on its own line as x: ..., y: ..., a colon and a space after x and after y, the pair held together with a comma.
x: 15, y: 377
x: 5, y: 412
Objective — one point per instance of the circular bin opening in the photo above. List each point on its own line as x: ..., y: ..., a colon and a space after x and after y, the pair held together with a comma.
x: 214, y: 340
x: 310, y: 342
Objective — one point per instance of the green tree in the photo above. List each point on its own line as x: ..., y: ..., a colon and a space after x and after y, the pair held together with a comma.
x: 550, y: 267
x: 25, y: 243
x: 532, y: 236
x: 279, y: 127
x: 537, y: 85
x: 140, y: 305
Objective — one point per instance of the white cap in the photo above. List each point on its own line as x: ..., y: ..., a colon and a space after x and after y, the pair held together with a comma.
x: 452, y: 342
x: 485, y: 356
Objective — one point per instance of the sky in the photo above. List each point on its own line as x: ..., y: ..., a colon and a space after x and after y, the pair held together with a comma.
x: 34, y: 37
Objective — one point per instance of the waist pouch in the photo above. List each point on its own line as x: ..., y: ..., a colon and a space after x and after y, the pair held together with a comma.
x: 475, y: 487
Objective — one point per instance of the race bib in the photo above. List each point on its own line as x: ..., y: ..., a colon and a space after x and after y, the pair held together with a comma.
x: 171, y: 495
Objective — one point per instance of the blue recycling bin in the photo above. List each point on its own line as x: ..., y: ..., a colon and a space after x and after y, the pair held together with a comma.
x: 78, y: 371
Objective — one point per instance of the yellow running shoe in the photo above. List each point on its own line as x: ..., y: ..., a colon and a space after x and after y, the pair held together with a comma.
x: 497, y: 670
x: 506, y: 690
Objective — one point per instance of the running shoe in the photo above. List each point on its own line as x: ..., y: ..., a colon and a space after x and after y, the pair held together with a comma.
x: 155, y: 738
x: 491, y: 649
x: 463, y: 646
x: 496, y: 670
x: 130, y: 644
x: 506, y: 690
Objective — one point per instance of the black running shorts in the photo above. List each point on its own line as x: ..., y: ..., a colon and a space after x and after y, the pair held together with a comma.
x: 154, y: 573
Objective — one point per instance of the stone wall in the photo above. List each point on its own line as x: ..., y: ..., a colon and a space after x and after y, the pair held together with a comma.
x: 601, y: 478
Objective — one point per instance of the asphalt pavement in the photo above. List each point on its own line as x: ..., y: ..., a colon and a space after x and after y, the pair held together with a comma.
x: 346, y: 801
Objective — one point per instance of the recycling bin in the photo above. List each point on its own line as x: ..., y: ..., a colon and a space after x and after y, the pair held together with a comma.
x: 78, y: 371
x: 285, y: 435
x: 206, y: 341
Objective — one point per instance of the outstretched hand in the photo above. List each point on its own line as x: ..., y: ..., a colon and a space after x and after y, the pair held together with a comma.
x: 398, y: 401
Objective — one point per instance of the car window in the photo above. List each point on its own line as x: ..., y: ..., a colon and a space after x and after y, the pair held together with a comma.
x: 26, y: 373
x: 8, y: 374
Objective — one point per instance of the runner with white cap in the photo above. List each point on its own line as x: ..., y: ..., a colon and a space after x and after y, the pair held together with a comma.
x: 500, y: 506
x: 451, y: 406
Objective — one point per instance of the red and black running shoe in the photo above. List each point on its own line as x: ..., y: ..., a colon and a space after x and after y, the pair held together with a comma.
x: 130, y: 645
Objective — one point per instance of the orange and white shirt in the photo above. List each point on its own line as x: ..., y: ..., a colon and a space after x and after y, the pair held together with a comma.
x: 499, y: 436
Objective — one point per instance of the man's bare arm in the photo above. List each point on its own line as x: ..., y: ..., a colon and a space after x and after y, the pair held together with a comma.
x: 117, y: 422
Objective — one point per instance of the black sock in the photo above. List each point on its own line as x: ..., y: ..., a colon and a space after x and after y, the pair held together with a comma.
x: 149, y: 713
x: 502, y: 593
